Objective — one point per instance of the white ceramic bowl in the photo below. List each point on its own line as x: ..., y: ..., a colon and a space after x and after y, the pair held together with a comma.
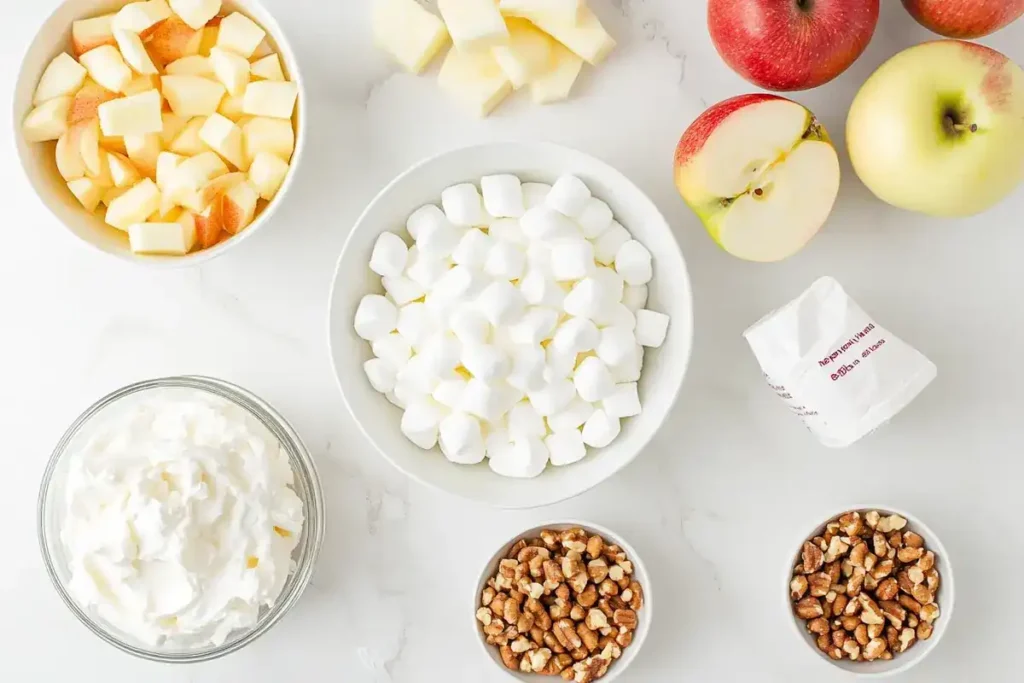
x: 640, y: 574
x: 945, y: 600
x: 663, y: 368
x: 38, y: 161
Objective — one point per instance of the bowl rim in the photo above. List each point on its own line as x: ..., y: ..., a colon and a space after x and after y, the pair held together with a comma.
x: 639, y: 569
x: 303, y: 466
x: 195, y: 258
x: 331, y: 303
x: 948, y: 587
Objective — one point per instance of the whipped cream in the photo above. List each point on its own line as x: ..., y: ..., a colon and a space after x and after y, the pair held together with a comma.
x: 180, y: 518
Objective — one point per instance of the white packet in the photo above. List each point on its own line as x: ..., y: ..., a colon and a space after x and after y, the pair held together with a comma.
x: 834, y: 366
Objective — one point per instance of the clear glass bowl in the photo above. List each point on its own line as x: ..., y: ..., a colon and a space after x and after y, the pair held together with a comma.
x: 306, y: 486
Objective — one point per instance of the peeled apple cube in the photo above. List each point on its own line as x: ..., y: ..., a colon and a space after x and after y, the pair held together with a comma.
x: 474, y: 80
x: 225, y: 138
x: 172, y: 127
x: 240, y: 34
x: 275, y: 136
x: 106, y: 66
x: 48, y: 121
x: 139, y: 16
x: 132, y: 115
x: 408, y: 32
x: 88, y: 34
x: 166, y: 163
x: 195, y: 13
x: 143, y: 150
x: 275, y: 99
x: 134, y: 206
x: 231, y: 107
x: 187, y: 143
x: 192, y: 95
x: 122, y: 173
x: 162, y: 238
x: 565, y: 10
x: 69, y: 157
x: 193, y: 65
x: 267, y: 173
x: 527, y: 54
x: 87, y: 192
x: 475, y: 25
x: 63, y: 76
x: 231, y: 70
x: 556, y: 83
x: 268, y: 68
x: 134, y: 52
x: 586, y: 37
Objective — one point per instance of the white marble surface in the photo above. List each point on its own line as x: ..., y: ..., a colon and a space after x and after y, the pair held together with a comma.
x: 715, y: 505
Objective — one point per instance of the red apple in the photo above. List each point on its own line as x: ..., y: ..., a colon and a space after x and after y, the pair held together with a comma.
x: 791, y: 44
x: 964, y: 18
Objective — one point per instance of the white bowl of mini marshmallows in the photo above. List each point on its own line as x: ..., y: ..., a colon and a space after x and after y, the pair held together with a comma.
x: 511, y: 323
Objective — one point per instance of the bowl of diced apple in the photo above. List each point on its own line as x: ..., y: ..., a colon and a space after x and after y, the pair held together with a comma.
x: 162, y: 131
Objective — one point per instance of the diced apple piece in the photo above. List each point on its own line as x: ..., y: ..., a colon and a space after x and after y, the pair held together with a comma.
x: 87, y: 134
x: 270, y: 98
x: 209, y: 40
x: 62, y: 77
x: 172, y: 39
x: 162, y: 238
x: 48, y: 121
x: 89, y: 34
x: 406, y: 31
x: 268, y: 68
x: 224, y: 137
x: 195, y: 173
x: 173, y: 214
x: 527, y: 54
x: 475, y: 25
x: 143, y: 150
x: 218, y: 186
x: 193, y: 65
x: 192, y: 95
x: 196, y: 13
x: 274, y: 136
x: 240, y: 34
x: 122, y: 172
x: 133, y: 115
x: 474, y: 80
x: 586, y: 37
x: 569, y: 11
x: 231, y: 70
x: 69, y: 157
x: 555, y: 84
x: 231, y: 107
x: 87, y: 192
x: 166, y: 164
x: 113, y: 143
x: 188, y: 143
x: 107, y: 68
x: 134, y: 52
x: 137, y: 17
x: 112, y: 193
x: 237, y: 207
x: 134, y: 206
x: 172, y: 127
x: 141, y: 84
x: 86, y: 102
x: 267, y: 172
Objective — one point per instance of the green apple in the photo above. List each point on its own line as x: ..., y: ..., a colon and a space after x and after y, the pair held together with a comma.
x: 939, y: 129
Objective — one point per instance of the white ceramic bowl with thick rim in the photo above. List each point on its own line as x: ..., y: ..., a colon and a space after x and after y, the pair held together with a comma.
x: 644, y: 615
x: 663, y: 370
x: 37, y: 158
x: 945, y: 600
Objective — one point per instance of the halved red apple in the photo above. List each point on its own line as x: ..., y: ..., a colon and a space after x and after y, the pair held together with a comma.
x: 761, y: 173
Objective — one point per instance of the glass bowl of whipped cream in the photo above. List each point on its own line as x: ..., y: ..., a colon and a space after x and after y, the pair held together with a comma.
x: 180, y: 518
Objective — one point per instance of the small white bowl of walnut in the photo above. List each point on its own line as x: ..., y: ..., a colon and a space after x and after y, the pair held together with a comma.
x: 871, y: 591
x: 569, y: 599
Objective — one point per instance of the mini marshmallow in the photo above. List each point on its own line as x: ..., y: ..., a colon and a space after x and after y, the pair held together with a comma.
x: 375, y: 317
x: 629, y: 370
x: 463, y: 206
x: 503, y: 195
x: 472, y: 249
x: 624, y: 401
x: 389, y: 256
x: 601, y: 429
x: 505, y: 261
x: 498, y: 443
x: 595, y: 218
x: 528, y: 363
x: 438, y: 240
x: 422, y: 217
x: 526, y: 459
x: 566, y: 447
x: 572, y: 416
x: 552, y: 397
x: 500, y: 302
x: 507, y: 230
x: 455, y: 284
x: 537, y: 324
x: 393, y: 349
x: 440, y: 354
x: 485, y: 361
x: 616, y: 345
x: 634, y: 297
x: 534, y: 194
x: 616, y: 315
x: 395, y: 401
x: 651, y: 328
x: 568, y: 196
x: 469, y: 325
x: 524, y: 420
x: 540, y: 290
x: 426, y: 270
x: 449, y: 392
x: 487, y: 400
x: 587, y: 299
x: 538, y: 257
x: 415, y: 324
x: 461, y: 439
x: 633, y: 263
x: 402, y: 290
x: 572, y: 259
x: 381, y: 374
x: 611, y: 282
x: 420, y: 422
x: 558, y: 364
x: 544, y: 223
x: 417, y: 377
x: 592, y: 379
x: 576, y: 335
x: 607, y: 245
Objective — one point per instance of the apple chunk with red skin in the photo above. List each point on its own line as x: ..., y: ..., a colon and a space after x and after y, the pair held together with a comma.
x: 964, y: 18
x: 761, y: 173
x: 791, y: 44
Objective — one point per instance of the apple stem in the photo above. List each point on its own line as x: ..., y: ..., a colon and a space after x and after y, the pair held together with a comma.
x: 961, y: 127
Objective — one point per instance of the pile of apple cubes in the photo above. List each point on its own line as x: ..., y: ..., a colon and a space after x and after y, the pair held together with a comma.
x: 176, y: 179
x: 499, y: 46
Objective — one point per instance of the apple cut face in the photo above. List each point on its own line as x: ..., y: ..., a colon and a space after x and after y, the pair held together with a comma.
x: 764, y: 181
